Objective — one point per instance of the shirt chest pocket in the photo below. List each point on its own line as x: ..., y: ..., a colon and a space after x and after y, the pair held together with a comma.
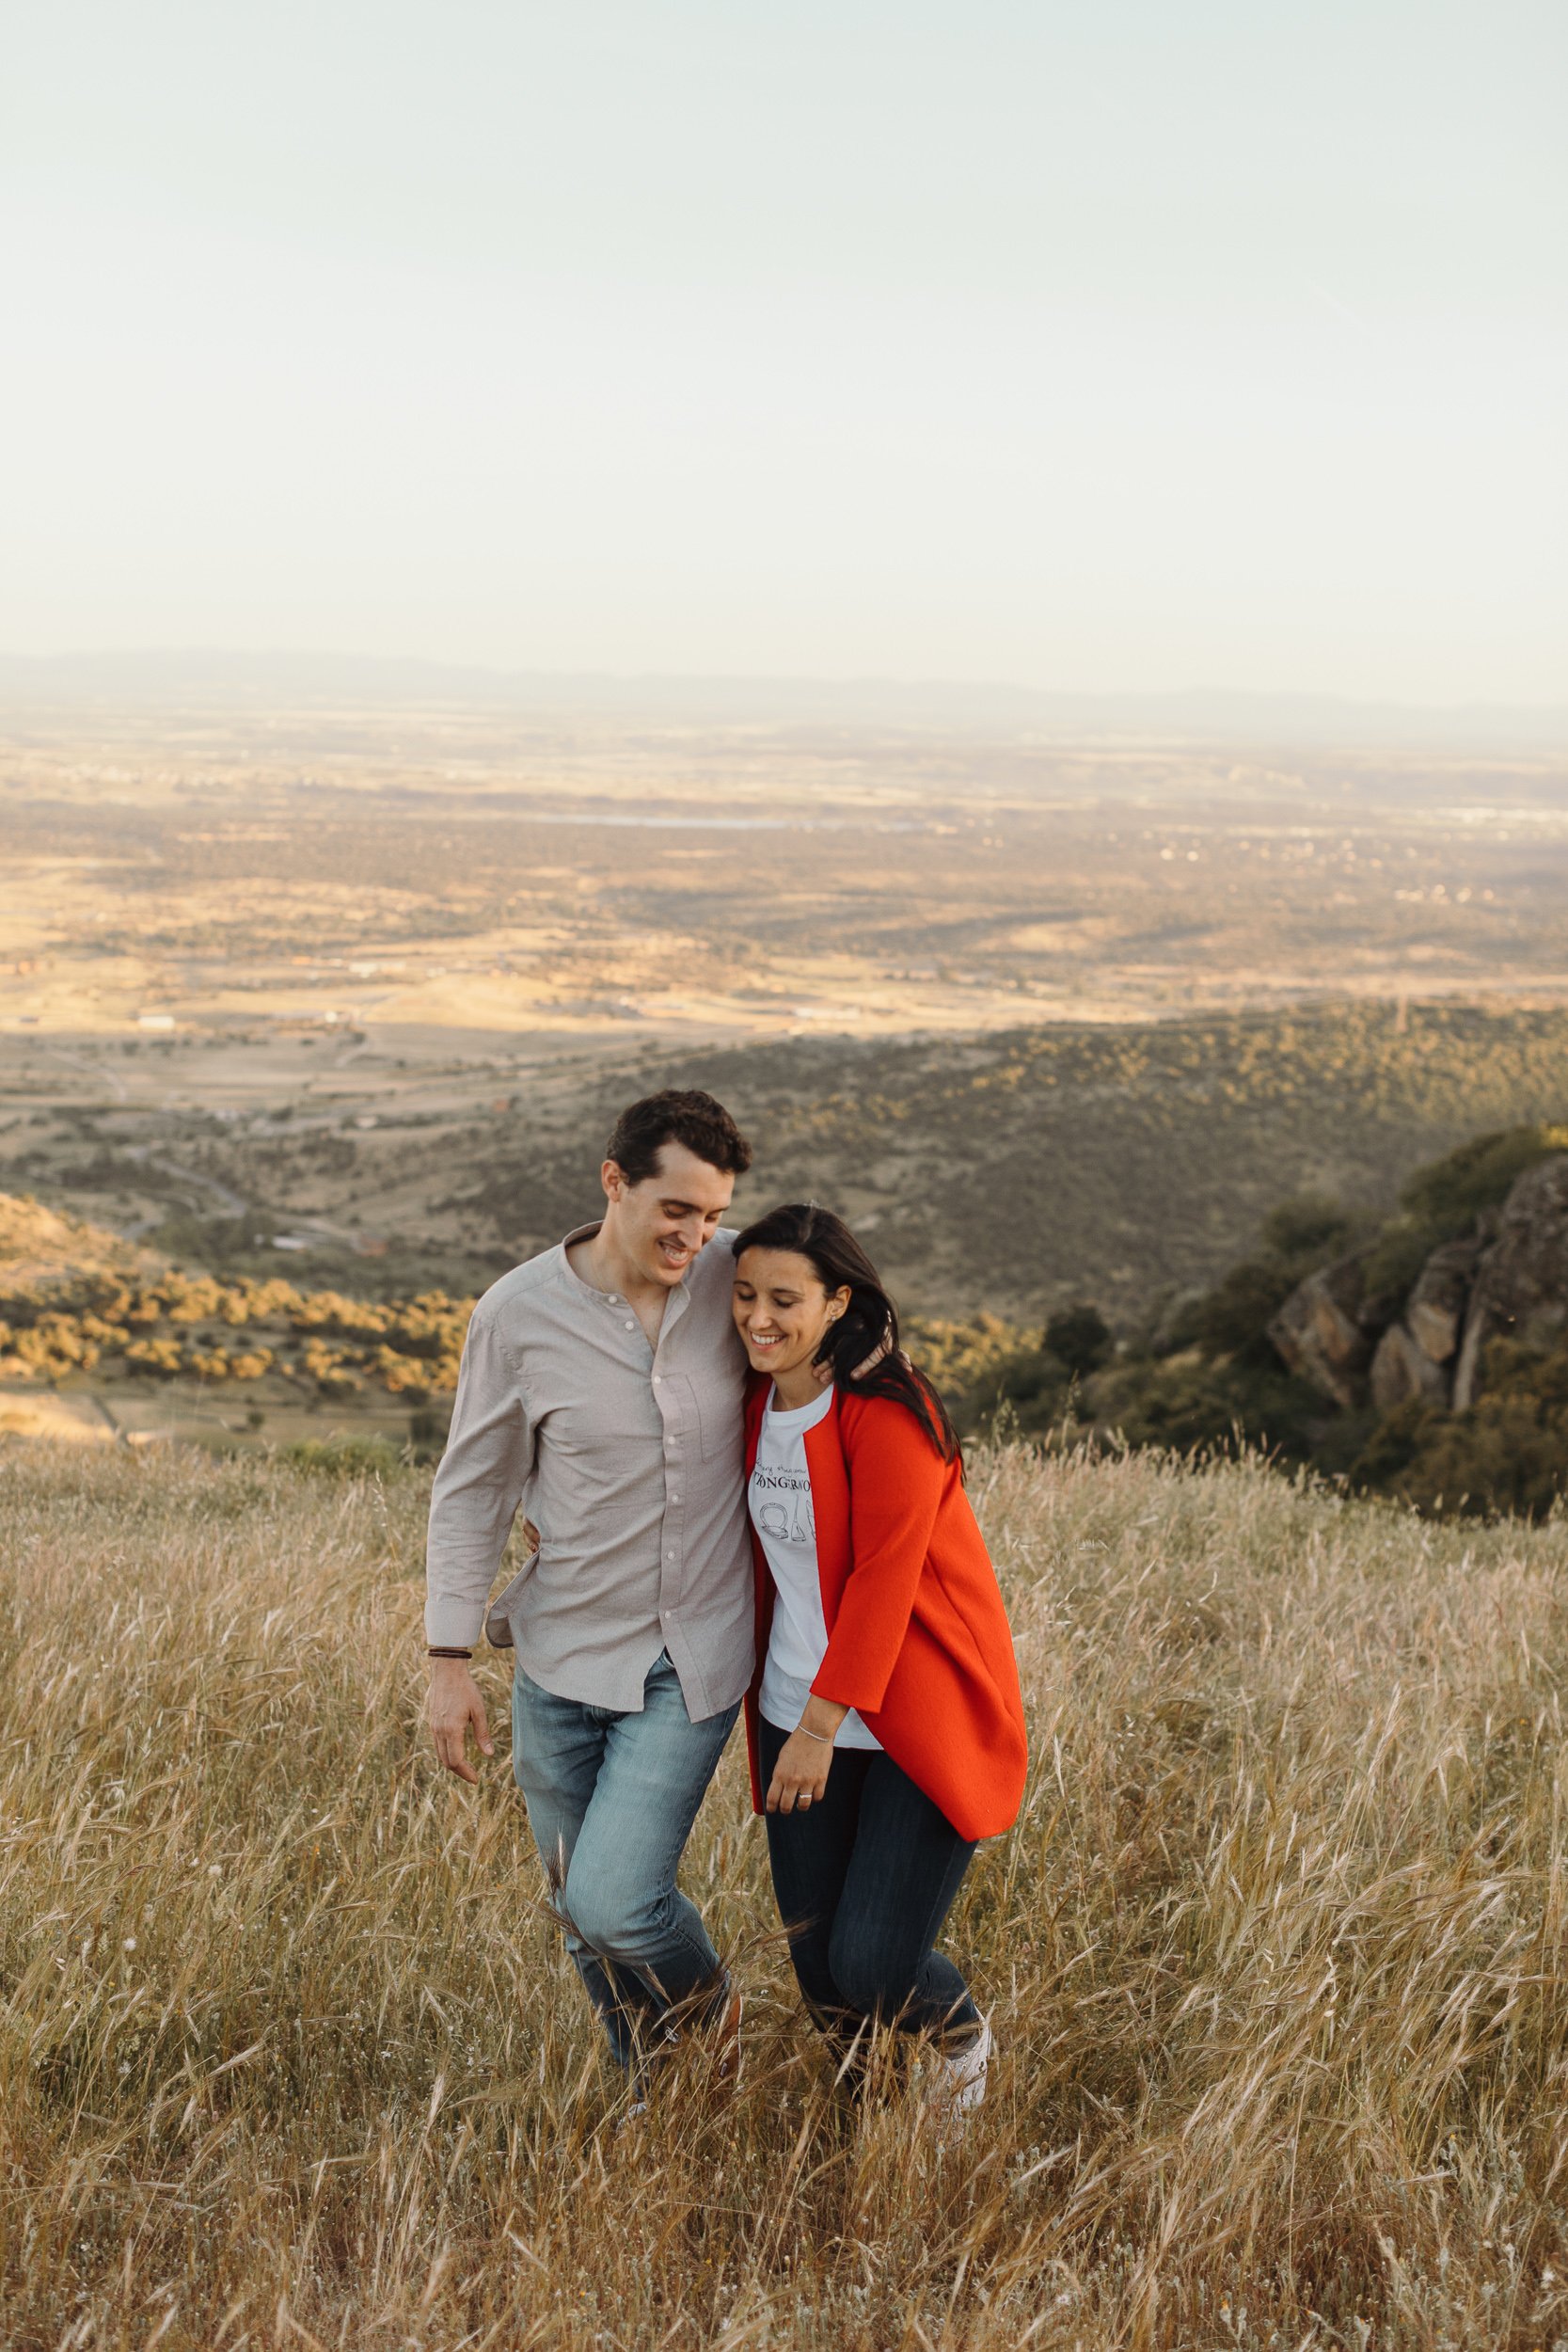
x: 601, y: 1430
x: 712, y: 1414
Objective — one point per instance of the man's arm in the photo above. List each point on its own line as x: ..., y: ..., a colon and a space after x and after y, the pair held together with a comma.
x: 473, y: 1503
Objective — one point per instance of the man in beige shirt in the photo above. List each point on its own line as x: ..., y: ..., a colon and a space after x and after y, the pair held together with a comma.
x: 601, y: 1389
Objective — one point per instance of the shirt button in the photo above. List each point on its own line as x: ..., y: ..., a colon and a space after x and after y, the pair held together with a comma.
x: 675, y: 1497
x: 631, y: 1326
x: 658, y: 1379
x: 669, y: 1555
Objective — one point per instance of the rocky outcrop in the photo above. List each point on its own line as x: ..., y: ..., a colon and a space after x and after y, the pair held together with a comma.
x: 1328, y: 1329
x: 1506, y: 1277
x: 1435, y: 1309
x: 1403, y: 1368
x: 1521, y: 1283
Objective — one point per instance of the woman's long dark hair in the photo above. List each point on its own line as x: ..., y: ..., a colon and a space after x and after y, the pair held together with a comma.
x: 868, y: 1321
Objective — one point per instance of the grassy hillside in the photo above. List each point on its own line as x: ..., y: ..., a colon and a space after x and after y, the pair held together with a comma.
x: 1009, y: 1171
x: 288, y: 2055
x: 1016, y: 1171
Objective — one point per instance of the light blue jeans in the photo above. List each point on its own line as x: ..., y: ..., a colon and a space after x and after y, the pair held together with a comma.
x: 612, y: 1798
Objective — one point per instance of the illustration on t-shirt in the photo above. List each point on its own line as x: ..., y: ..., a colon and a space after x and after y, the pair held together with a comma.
x: 785, y: 1513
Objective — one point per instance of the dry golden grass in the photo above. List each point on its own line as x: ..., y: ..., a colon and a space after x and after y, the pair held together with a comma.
x: 289, y: 2056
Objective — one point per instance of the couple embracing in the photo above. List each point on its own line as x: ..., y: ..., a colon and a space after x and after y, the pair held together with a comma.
x: 745, y: 1493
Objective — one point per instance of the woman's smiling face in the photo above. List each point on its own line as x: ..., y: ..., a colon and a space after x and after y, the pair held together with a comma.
x: 782, y: 1309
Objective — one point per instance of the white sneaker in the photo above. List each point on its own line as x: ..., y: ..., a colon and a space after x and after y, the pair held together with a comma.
x: 960, y: 2085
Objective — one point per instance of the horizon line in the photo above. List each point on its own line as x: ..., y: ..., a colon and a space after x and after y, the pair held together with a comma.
x: 920, y: 682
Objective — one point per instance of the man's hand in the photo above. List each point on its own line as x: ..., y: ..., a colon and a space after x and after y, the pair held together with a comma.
x: 456, y: 1702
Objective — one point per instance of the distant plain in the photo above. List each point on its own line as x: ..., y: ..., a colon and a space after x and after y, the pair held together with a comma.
x: 352, y: 993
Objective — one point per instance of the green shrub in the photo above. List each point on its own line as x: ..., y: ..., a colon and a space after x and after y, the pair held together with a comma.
x: 1400, y: 1252
x: 1451, y: 1191
x: 427, y: 1434
x: 344, y: 1457
x: 958, y: 1356
x: 1234, y: 1316
x: 1308, y: 1228
x: 1187, y: 1403
x: 1508, y: 1452
x: 1079, y: 1338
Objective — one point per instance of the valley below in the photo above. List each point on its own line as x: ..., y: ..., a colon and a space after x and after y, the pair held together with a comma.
x: 351, y: 997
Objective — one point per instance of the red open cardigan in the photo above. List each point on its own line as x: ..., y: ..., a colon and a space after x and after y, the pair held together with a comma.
x: 917, y: 1637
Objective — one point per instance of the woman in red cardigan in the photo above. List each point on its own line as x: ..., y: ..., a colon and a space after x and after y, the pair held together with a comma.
x: 885, y: 1723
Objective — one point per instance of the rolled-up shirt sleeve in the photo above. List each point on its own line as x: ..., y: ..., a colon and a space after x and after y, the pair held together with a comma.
x: 478, y: 1488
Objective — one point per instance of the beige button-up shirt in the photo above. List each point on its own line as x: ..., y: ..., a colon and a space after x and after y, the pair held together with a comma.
x: 628, y: 1460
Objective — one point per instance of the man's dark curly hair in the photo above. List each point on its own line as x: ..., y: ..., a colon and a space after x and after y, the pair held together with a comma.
x: 679, y: 1115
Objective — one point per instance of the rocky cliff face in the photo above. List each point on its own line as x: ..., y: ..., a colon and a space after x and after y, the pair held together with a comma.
x: 1520, y: 1288
x: 1508, y: 1277
x: 1404, y: 1367
x: 1327, y: 1329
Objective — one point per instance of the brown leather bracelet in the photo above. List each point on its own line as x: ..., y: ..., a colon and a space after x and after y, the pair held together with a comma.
x: 449, y: 1653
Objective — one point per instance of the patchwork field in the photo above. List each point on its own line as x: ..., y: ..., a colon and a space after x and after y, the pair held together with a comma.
x: 505, y: 885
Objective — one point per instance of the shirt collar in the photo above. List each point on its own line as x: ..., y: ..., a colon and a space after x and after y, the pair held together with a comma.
x: 680, y: 1299
x: 578, y: 1232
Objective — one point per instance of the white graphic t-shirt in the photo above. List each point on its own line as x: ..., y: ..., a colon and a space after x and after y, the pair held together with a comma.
x: 779, y: 1498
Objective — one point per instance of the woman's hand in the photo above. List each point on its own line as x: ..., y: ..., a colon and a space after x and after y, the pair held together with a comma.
x: 800, y: 1774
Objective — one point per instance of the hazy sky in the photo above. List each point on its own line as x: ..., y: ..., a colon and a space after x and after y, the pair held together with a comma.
x: 1089, y: 343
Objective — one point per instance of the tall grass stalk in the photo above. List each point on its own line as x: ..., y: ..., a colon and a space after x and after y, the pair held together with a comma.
x: 290, y: 2054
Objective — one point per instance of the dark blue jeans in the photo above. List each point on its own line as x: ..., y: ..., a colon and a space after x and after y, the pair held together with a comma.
x: 612, y: 1798
x: 864, y: 1879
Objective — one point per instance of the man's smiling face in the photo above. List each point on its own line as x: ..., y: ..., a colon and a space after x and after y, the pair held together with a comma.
x: 662, y: 1224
